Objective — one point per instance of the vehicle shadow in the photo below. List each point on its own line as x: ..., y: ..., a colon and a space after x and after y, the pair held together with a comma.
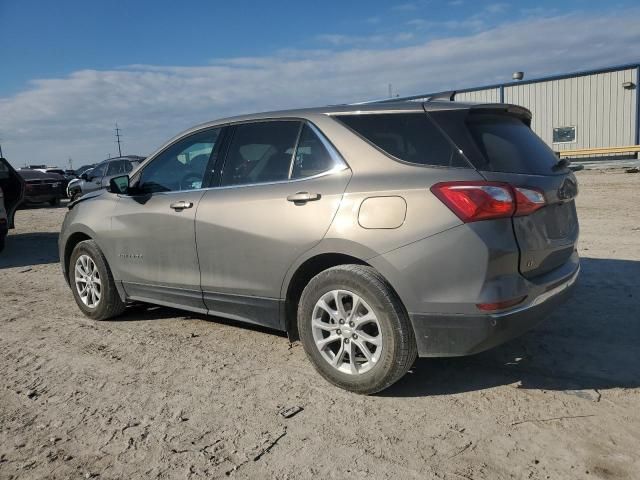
x: 29, y: 249
x: 591, y: 342
x: 139, y: 312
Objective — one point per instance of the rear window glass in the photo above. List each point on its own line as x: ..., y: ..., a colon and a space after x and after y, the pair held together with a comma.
x: 410, y: 137
x: 507, y: 144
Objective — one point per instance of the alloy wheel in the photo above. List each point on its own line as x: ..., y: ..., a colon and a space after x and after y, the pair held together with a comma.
x: 88, y: 282
x: 346, y: 332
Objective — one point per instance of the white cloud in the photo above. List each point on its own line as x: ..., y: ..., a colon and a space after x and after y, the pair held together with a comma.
x: 496, y: 8
x: 75, y: 115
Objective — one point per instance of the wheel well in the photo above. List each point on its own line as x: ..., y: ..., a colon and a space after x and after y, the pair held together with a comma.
x: 301, y: 278
x: 72, y: 241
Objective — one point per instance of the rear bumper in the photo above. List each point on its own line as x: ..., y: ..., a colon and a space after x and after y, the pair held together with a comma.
x: 450, y: 335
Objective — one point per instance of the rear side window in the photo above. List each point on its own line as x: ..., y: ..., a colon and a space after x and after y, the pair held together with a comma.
x: 313, y: 156
x: 411, y: 137
x: 260, y: 152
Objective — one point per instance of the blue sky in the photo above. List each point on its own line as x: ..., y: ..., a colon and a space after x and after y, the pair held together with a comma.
x: 70, y: 69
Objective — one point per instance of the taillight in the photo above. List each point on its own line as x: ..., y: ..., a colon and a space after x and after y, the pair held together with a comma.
x: 474, y: 201
x: 528, y: 200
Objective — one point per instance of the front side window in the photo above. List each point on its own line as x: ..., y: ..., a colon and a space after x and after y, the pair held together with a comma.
x: 115, y: 168
x: 98, y: 172
x: 182, y: 166
x: 410, y: 137
x: 260, y: 152
x: 313, y: 156
x: 128, y: 166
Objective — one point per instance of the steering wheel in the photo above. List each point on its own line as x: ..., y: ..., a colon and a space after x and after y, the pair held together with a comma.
x: 186, y: 183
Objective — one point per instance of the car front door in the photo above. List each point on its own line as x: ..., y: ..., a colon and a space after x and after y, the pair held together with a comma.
x: 280, y: 187
x: 153, y: 229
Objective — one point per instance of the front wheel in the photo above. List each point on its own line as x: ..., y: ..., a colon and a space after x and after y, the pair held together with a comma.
x: 92, y: 282
x: 355, y: 330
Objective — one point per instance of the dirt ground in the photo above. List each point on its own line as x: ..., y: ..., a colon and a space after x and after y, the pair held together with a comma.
x: 165, y: 394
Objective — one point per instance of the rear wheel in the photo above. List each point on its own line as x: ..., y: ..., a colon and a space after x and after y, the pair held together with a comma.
x: 92, y: 282
x: 355, y: 330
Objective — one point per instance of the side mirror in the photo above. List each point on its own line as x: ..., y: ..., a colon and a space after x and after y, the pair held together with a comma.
x: 119, y: 185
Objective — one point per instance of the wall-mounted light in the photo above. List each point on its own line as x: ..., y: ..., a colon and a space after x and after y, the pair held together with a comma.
x: 628, y: 85
x: 517, y: 76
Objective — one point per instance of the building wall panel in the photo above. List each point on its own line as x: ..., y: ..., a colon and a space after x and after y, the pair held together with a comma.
x: 603, y: 112
x: 491, y: 95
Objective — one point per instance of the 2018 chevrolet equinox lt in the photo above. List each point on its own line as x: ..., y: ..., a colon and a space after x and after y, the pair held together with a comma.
x: 373, y: 233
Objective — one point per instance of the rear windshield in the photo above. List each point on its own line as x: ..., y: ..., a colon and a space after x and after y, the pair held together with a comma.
x: 498, y: 142
x: 509, y: 145
x: 411, y: 137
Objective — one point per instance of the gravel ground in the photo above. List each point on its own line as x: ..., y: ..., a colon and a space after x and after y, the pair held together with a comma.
x: 166, y: 394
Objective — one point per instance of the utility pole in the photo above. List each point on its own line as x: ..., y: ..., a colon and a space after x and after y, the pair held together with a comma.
x: 390, y: 91
x: 1, y: 156
x: 70, y: 164
x: 118, y: 139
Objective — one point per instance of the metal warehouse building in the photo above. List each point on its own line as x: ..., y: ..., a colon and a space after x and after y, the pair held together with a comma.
x: 583, y: 115
x: 588, y: 115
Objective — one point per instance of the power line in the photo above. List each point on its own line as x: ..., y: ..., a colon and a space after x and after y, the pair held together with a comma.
x: 118, y: 139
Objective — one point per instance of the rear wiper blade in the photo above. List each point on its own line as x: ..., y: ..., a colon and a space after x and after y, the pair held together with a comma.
x: 562, y: 163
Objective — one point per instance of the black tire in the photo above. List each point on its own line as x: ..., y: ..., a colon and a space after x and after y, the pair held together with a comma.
x: 54, y: 202
x: 110, y: 304
x: 399, y: 349
x: 2, y: 237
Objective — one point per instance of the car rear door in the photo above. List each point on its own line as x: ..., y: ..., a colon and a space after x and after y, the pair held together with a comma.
x: 501, y: 145
x: 279, y: 189
x: 153, y: 231
x: 12, y: 186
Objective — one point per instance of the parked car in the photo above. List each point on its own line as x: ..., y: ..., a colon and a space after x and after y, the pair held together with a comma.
x: 375, y: 233
x: 58, y: 171
x: 98, y: 177
x: 42, y: 187
x: 11, y: 194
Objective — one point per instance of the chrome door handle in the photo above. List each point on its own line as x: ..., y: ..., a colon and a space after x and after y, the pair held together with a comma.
x: 303, y: 197
x: 181, y: 205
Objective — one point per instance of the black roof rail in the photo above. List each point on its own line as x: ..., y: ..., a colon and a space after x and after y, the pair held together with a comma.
x: 449, y: 95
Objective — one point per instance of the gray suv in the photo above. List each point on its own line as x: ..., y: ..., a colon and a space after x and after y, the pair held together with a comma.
x: 373, y: 233
x: 99, y: 176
